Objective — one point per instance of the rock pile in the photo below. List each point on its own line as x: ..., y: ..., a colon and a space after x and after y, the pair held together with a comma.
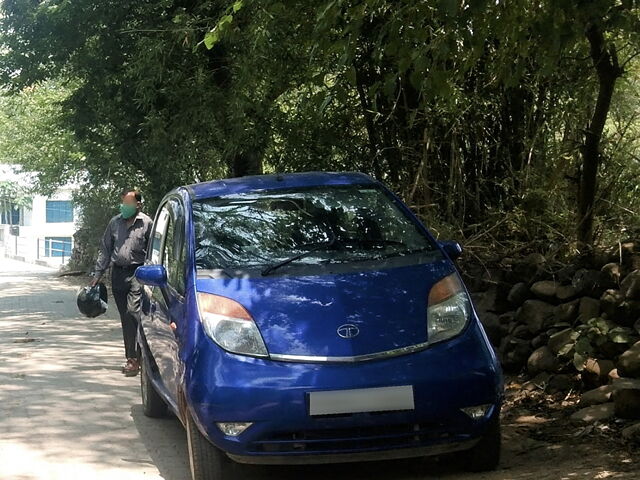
x: 580, y: 320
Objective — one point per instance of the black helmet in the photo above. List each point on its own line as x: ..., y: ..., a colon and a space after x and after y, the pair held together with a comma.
x: 92, y: 301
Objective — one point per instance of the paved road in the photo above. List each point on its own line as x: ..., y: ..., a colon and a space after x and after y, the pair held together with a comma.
x: 66, y: 411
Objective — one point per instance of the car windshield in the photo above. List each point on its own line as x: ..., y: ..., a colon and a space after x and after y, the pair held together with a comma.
x: 333, y: 224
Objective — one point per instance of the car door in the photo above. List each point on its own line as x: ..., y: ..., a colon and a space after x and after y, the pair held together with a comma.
x: 150, y: 294
x: 167, y: 304
x: 170, y: 300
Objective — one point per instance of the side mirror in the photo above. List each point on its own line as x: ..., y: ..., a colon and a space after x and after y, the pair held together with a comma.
x: 152, y: 275
x: 453, y: 249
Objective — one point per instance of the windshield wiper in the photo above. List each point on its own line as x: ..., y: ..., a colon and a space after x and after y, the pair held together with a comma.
x: 321, y: 246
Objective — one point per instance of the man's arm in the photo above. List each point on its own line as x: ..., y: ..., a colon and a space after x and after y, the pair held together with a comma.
x: 104, y: 255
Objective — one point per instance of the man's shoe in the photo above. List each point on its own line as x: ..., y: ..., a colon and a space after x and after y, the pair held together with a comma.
x: 131, y: 368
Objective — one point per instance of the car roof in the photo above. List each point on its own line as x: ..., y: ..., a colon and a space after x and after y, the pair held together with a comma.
x: 256, y: 183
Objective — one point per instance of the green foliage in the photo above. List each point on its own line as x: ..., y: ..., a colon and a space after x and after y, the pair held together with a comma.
x: 96, y: 206
x: 597, y: 338
x: 34, y: 135
x: 12, y: 193
x: 474, y: 112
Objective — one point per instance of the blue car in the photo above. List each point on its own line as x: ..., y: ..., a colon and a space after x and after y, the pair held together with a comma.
x: 311, y: 318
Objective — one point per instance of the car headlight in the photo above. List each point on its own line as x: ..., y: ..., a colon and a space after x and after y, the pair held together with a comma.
x: 448, y: 311
x: 229, y: 325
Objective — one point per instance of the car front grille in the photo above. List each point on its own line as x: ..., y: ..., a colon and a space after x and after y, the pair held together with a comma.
x: 357, y: 439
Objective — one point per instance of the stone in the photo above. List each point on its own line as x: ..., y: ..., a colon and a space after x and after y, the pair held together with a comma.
x: 514, y: 353
x: 501, y: 304
x: 632, y: 262
x: 483, y: 301
x: 540, y: 381
x: 624, y: 383
x: 561, y: 383
x: 596, y: 396
x: 564, y: 293
x: 492, y: 326
x: 629, y: 362
x: 618, y: 308
x: 610, y: 302
x: 599, y: 258
x: 625, y: 254
x: 613, y: 375
x: 522, y: 331
x: 611, y: 273
x: 596, y: 372
x: 545, y: 290
x: 558, y: 340
x: 566, y: 312
x: 540, y: 340
x: 626, y: 397
x: 529, y: 268
x: 630, y: 286
x: 588, y: 282
x: 594, y: 413
x: 588, y: 308
x: 542, y: 360
x: 518, y: 294
x: 536, y: 314
x: 507, y: 318
x: 632, y: 432
x: 565, y: 274
x: 492, y: 300
x: 627, y: 247
x: 630, y: 313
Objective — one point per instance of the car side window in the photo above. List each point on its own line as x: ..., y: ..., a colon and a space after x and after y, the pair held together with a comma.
x: 167, y: 254
x: 180, y: 250
x: 159, y: 229
x: 173, y: 253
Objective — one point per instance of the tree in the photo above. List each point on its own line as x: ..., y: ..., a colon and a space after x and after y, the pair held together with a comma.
x: 468, y: 109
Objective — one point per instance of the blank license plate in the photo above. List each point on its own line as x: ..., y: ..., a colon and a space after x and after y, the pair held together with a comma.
x: 361, y: 400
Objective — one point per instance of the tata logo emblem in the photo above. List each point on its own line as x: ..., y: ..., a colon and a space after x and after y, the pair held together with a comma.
x: 348, y: 330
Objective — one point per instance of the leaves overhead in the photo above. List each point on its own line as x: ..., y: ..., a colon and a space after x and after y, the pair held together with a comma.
x: 467, y: 108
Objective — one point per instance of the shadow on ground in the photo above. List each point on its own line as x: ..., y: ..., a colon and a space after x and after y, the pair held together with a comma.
x: 66, y: 412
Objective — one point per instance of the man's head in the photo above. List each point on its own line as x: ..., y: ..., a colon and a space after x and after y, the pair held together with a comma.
x: 131, y: 202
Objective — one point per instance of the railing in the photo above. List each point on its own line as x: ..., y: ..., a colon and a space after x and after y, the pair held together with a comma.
x: 48, y: 249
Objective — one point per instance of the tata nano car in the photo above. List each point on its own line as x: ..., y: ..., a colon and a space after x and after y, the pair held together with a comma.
x: 311, y: 318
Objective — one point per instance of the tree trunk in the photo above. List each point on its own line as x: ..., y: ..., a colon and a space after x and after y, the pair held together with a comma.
x: 605, y: 62
x: 372, y: 134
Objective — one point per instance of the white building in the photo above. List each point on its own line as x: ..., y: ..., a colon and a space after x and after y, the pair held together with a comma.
x: 41, y: 233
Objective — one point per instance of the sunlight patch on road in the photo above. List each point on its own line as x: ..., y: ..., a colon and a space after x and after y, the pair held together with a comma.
x: 21, y: 461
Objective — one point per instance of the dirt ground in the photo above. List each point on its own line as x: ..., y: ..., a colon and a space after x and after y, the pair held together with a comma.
x: 66, y: 411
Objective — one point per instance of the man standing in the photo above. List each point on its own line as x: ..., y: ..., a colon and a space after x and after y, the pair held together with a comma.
x: 124, y: 248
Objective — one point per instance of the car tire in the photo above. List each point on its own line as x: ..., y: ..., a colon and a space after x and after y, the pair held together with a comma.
x: 206, y: 461
x: 485, y: 455
x: 152, y: 403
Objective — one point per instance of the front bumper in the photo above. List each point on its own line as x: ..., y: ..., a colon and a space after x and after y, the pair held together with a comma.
x: 222, y: 387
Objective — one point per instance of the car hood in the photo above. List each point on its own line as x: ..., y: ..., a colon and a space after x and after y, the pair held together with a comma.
x: 301, y: 315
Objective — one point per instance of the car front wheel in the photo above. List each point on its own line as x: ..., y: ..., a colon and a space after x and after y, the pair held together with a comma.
x: 207, y: 462
x: 485, y: 455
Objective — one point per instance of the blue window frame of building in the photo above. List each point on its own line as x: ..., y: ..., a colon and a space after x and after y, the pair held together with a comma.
x: 57, y: 246
x: 59, y: 211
